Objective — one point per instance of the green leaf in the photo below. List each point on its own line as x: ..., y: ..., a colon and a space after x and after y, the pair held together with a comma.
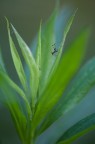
x: 47, y: 60
x: 38, y: 50
x: 79, y: 129
x: 69, y: 64
x: 33, y: 68
x: 2, y: 66
x: 38, y: 57
x: 16, y: 59
x: 14, y: 106
x: 82, y: 84
x: 4, y: 79
x: 60, y: 49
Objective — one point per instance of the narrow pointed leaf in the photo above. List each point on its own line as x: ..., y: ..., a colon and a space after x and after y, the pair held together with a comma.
x: 60, y: 49
x: 11, y: 101
x: 65, y: 71
x: 33, y: 68
x: 5, y: 79
x: 2, y: 66
x: 38, y: 57
x: 79, y: 129
x: 16, y: 59
x: 38, y: 50
x: 47, y: 60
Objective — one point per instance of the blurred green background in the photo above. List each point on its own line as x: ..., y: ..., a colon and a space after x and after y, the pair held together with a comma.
x: 25, y: 15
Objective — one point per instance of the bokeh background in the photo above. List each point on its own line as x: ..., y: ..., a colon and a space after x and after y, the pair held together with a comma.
x: 25, y: 15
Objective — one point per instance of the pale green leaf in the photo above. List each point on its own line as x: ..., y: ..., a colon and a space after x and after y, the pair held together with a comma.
x: 38, y: 50
x: 2, y: 66
x: 60, y: 49
x: 33, y: 68
x: 11, y: 101
x: 16, y: 59
x: 5, y: 79
x: 79, y: 129
x: 38, y: 57
x: 68, y: 66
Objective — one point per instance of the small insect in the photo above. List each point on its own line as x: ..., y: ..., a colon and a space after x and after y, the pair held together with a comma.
x: 54, y: 50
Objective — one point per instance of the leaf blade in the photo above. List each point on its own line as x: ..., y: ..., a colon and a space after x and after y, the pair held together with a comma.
x: 5, y: 78
x: 17, y: 60
x: 79, y: 129
x: 2, y: 66
x: 38, y: 49
x: 47, y: 60
x: 66, y: 30
x: 11, y: 101
x: 34, y: 72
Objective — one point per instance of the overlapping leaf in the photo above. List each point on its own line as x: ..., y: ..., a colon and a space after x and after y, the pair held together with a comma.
x: 47, y: 48
x: 38, y: 58
x: 79, y: 129
x: 66, y: 30
x: 16, y: 60
x: 83, y: 83
x: 13, y: 104
x: 5, y: 79
x: 48, y: 39
x: 33, y: 68
x: 49, y: 77
x: 66, y: 69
